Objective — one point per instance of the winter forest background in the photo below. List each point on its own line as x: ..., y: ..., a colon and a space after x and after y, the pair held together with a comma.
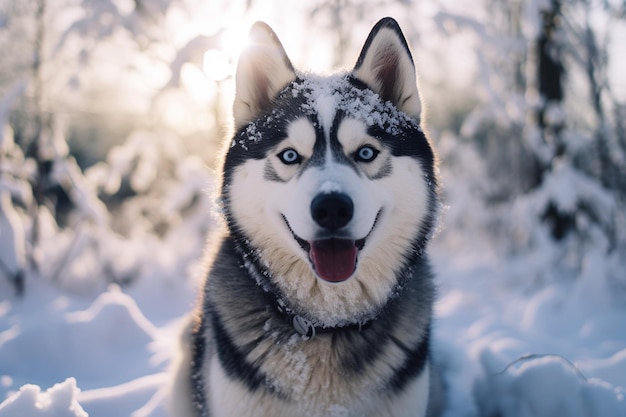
x: 112, y: 114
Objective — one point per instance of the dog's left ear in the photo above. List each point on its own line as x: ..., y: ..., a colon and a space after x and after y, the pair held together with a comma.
x: 385, y: 65
x: 263, y: 70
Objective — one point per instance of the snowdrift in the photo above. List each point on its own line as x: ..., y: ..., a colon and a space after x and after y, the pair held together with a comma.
x: 504, y: 350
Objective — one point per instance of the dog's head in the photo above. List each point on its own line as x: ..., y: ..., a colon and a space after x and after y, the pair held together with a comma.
x: 329, y: 184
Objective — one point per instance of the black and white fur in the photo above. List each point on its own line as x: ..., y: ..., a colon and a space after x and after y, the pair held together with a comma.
x: 322, y: 173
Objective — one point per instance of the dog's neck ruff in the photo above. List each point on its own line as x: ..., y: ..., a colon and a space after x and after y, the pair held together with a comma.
x: 305, y: 327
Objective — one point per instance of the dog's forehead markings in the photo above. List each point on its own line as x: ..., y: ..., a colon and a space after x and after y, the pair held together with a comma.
x: 302, y: 132
x: 252, y: 133
x: 350, y: 132
x: 326, y: 109
x: 325, y: 95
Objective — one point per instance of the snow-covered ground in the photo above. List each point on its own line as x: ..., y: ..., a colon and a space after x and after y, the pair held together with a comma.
x: 507, y: 346
x: 509, y: 350
x: 514, y: 335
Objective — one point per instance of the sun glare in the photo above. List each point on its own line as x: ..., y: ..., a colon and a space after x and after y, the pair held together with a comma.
x: 235, y: 38
x: 219, y: 64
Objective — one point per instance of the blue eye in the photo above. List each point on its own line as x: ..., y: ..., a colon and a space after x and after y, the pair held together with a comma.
x: 289, y: 157
x: 366, y: 154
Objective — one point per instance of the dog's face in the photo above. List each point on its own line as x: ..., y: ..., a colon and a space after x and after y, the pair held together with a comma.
x: 329, y: 184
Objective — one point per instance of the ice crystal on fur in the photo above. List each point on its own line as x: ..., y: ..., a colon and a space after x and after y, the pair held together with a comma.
x: 327, y: 95
x: 324, y: 97
x: 296, y: 365
x: 252, y: 133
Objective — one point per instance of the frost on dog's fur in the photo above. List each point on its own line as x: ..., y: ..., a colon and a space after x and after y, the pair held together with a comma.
x: 264, y: 70
x: 279, y: 331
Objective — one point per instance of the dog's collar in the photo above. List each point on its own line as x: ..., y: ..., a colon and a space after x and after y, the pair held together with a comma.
x: 303, y: 326
x: 306, y: 328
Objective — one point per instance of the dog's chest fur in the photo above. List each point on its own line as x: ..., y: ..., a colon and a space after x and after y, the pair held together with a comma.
x: 235, y: 400
x: 258, y: 364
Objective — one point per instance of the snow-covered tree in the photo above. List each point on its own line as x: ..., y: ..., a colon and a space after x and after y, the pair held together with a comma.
x: 549, y: 130
x: 61, y: 85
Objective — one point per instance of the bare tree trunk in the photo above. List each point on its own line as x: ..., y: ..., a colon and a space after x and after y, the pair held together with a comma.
x: 34, y: 149
x: 609, y: 168
x: 550, y: 74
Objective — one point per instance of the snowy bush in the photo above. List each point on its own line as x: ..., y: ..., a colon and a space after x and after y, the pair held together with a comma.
x: 520, y: 390
x: 58, y: 401
x: 79, y: 228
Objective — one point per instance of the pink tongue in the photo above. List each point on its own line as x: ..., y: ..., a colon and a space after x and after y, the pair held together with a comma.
x: 334, y: 259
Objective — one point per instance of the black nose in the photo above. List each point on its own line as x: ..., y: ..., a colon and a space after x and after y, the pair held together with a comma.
x: 332, y: 211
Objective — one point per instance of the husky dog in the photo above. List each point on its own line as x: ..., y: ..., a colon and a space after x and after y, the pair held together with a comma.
x: 318, y: 297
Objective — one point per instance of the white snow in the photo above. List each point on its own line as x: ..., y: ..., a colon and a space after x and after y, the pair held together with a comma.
x: 58, y: 401
x: 505, y: 351
x: 505, y: 345
x: 327, y: 95
x: 515, y: 335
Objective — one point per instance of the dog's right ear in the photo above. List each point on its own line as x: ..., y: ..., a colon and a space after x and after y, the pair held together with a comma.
x: 386, y: 66
x: 263, y: 70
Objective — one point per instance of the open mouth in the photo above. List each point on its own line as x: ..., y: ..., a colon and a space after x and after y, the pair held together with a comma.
x: 334, y: 259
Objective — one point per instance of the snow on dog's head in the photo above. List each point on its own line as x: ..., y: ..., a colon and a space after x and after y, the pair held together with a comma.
x: 329, y: 184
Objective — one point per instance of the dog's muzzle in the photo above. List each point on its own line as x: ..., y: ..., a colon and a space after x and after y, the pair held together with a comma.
x: 334, y: 259
x: 334, y: 255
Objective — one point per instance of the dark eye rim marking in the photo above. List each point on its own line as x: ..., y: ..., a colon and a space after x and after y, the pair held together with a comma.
x: 282, y: 155
x: 358, y: 157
